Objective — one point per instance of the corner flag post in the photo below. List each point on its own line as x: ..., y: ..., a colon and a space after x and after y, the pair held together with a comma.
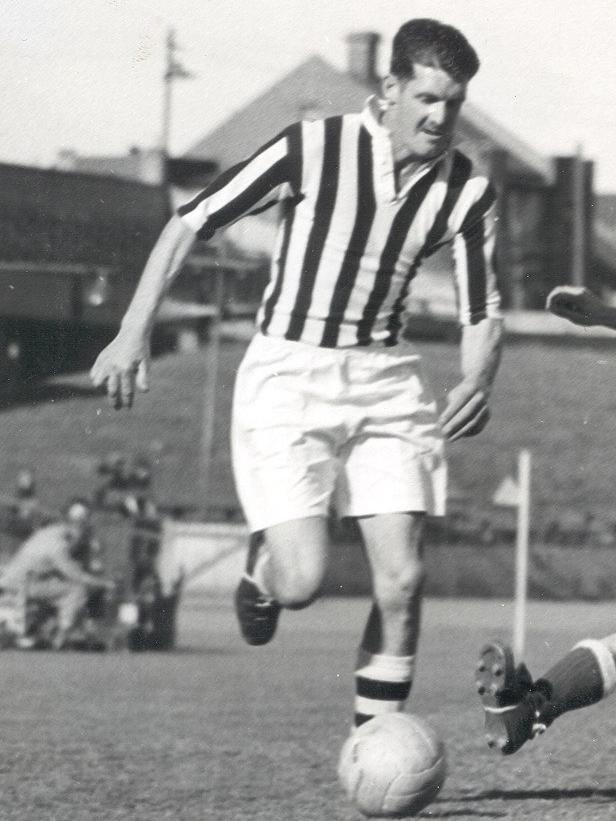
x: 521, y: 554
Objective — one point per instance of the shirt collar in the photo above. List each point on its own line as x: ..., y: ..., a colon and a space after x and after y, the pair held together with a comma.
x: 371, y: 117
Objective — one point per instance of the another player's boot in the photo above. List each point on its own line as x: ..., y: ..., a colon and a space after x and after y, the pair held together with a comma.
x: 256, y: 612
x: 513, y: 709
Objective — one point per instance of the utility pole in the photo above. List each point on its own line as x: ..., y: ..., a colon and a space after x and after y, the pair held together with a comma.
x: 174, y: 70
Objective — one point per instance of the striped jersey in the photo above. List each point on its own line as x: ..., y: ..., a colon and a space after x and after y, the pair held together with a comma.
x: 349, y: 241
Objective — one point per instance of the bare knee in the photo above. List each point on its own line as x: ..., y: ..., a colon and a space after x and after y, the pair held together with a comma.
x: 297, y: 561
x: 397, y: 588
x: 298, y: 587
x: 394, y: 546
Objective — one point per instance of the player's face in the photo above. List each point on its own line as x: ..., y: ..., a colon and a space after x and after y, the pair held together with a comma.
x: 423, y: 111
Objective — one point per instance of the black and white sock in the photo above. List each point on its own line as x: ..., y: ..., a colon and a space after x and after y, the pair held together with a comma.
x: 382, y: 684
x: 584, y: 676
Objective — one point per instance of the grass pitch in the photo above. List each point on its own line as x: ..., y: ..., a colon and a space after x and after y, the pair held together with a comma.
x: 219, y: 731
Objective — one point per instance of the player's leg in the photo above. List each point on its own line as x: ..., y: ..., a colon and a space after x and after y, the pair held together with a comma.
x: 293, y: 561
x: 284, y: 444
x: 285, y: 568
x: 394, y: 473
x: 386, y: 658
x: 517, y: 708
x: 505, y: 692
x: 583, y: 676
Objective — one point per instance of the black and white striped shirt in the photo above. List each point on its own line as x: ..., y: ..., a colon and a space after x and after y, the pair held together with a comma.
x: 349, y: 243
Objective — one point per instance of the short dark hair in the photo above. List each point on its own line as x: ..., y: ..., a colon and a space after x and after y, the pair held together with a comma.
x: 431, y: 43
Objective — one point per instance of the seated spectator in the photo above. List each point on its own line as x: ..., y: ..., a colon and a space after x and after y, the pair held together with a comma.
x: 50, y: 568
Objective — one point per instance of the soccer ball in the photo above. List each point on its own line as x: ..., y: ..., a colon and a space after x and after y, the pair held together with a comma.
x: 392, y: 765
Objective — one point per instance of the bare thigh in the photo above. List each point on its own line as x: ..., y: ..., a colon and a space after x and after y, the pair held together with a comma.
x: 394, y: 545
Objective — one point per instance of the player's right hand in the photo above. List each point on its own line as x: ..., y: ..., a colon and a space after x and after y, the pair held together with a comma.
x: 122, y: 366
x: 575, y: 303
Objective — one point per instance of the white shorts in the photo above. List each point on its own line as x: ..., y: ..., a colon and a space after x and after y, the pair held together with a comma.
x: 352, y: 428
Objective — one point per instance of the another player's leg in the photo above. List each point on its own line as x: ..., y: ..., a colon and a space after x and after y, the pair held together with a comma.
x: 509, y: 714
x: 584, y: 676
x: 517, y: 708
x: 285, y: 568
x: 386, y: 658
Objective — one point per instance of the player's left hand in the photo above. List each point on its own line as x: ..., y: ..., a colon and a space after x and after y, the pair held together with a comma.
x: 466, y: 412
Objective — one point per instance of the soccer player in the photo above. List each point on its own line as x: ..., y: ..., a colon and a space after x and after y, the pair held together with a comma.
x: 517, y: 708
x: 331, y: 404
x: 49, y: 567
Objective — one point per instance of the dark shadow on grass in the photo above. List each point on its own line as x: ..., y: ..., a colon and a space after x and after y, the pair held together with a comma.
x: 435, y: 812
x: 195, y: 651
x: 542, y: 795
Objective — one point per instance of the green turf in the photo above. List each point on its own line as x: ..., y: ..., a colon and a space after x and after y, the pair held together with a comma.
x: 218, y: 731
x: 557, y: 401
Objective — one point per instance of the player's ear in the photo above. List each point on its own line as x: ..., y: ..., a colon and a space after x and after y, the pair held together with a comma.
x: 390, y: 89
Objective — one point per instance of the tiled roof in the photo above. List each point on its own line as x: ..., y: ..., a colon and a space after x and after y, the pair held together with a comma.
x: 313, y: 89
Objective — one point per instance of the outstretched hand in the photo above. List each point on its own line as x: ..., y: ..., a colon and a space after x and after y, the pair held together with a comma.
x: 121, y: 367
x: 466, y: 412
x: 575, y: 303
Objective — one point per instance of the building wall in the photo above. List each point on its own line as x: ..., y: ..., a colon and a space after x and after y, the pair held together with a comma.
x: 50, y: 216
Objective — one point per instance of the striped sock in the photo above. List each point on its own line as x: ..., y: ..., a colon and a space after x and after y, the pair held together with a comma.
x: 382, y: 684
x: 583, y: 677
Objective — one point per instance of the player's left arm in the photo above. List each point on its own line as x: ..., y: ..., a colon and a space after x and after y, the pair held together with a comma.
x: 467, y: 411
x: 467, y: 408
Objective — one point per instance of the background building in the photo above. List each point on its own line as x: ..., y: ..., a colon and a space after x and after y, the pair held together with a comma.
x: 553, y: 228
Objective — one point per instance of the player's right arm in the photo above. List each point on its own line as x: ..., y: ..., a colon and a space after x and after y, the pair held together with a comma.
x: 580, y: 306
x: 125, y: 361
x: 271, y: 174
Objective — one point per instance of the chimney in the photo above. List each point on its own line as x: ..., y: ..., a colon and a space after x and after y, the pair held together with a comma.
x: 362, y: 56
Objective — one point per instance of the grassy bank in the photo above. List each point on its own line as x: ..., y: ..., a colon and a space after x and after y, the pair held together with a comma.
x: 559, y: 402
